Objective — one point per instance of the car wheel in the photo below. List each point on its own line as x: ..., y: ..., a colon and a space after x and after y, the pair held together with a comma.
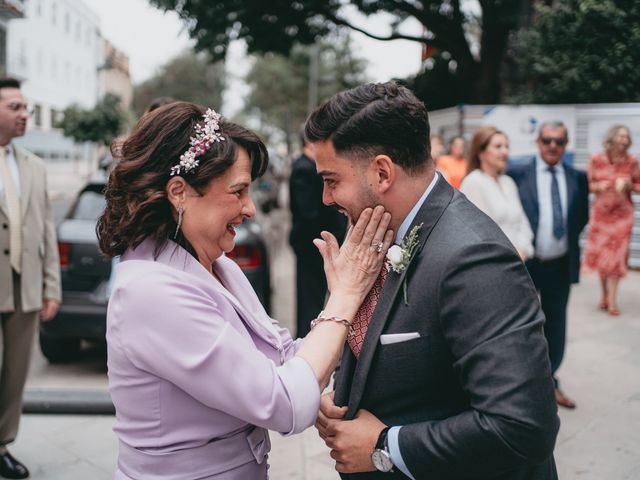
x: 59, y: 349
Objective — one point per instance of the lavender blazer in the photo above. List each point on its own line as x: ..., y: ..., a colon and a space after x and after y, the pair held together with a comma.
x: 198, y: 371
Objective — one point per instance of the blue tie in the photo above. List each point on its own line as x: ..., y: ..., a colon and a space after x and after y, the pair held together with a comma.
x: 558, y: 221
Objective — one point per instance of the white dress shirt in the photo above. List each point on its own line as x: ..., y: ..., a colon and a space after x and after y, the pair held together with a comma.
x: 549, y: 247
x: 13, y: 168
x: 499, y: 199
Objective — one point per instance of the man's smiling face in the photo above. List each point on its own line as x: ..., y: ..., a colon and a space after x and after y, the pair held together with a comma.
x: 346, y: 183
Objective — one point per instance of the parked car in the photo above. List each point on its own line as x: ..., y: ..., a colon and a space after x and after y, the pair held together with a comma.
x: 86, y: 275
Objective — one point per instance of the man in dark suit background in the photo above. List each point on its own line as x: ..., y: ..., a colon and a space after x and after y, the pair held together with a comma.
x: 555, y: 198
x: 309, y: 217
x: 447, y: 374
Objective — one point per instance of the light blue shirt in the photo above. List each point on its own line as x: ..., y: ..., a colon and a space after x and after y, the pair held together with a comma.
x: 547, y: 246
x: 392, y: 435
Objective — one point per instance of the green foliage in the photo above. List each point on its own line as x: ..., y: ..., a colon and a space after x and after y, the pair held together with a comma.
x: 277, y: 25
x: 100, y: 125
x: 189, y: 77
x: 583, y: 51
x: 279, y: 85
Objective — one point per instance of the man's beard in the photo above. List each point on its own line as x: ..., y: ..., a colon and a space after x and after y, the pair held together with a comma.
x: 365, y: 199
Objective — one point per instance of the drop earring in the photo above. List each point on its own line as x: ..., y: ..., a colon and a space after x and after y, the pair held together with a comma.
x: 180, y: 211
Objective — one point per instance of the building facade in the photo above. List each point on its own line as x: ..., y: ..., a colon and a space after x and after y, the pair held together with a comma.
x: 115, y: 74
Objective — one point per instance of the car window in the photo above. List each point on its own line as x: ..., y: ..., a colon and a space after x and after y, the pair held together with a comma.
x: 89, y: 206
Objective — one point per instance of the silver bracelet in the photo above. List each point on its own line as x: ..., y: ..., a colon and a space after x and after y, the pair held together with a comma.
x: 322, y: 318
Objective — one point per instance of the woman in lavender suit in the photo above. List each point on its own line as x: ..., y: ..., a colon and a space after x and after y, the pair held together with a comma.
x: 197, y: 370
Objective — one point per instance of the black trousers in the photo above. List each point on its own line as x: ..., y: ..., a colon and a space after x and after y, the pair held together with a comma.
x: 553, y: 283
x: 311, y: 288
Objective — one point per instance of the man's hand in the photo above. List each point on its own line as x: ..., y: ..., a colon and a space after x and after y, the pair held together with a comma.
x: 353, y: 441
x: 49, y: 309
x: 328, y: 411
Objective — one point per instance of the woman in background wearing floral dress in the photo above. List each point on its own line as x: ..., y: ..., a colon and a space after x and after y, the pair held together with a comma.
x: 613, y: 175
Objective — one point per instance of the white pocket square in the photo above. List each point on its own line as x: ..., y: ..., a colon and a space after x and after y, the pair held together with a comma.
x: 390, y: 338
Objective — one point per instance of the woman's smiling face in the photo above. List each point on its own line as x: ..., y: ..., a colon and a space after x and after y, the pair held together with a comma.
x: 210, y: 219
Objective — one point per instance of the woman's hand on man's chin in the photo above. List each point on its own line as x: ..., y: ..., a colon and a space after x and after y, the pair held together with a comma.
x: 353, y: 268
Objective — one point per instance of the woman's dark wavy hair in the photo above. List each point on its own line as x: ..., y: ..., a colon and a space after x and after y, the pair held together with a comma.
x: 374, y: 119
x: 137, y: 203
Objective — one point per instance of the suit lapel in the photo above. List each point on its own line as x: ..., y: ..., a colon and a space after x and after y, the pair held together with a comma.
x: 429, y: 214
x: 571, y: 191
x: 26, y: 179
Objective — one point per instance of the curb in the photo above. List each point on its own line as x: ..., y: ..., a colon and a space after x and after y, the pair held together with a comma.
x: 68, y: 401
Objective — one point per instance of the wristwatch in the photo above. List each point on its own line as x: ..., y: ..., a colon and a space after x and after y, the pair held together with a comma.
x: 380, y: 456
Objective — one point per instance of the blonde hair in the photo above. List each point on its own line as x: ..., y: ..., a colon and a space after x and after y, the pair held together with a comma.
x: 481, y: 138
x: 607, y: 142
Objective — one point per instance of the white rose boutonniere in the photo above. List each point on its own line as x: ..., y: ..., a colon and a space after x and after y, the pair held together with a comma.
x: 399, y: 256
x: 394, y: 258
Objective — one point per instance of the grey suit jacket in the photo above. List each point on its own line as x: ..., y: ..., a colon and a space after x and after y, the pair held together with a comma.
x: 40, y: 276
x: 474, y: 392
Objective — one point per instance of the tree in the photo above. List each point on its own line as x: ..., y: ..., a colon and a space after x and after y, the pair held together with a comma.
x: 100, y: 124
x: 275, y: 26
x: 583, y: 51
x: 189, y: 77
x: 279, y: 85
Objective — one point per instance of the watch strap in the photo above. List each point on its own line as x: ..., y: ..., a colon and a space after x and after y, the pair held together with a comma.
x: 381, y: 444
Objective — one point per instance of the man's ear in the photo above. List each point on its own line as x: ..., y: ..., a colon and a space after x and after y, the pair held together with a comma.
x: 176, y: 191
x: 384, y: 171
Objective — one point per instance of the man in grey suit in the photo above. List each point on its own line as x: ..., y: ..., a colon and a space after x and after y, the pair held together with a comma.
x: 29, y: 265
x: 447, y: 374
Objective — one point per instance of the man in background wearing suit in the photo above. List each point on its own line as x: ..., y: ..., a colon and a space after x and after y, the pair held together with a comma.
x: 447, y: 373
x: 555, y: 198
x: 29, y: 266
x: 309, y: 217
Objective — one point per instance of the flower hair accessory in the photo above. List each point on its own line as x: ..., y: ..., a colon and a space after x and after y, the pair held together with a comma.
x: 206, y: 135
x: 399, y: 256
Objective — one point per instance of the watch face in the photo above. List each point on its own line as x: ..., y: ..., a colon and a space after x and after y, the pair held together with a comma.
x: 381, y: 460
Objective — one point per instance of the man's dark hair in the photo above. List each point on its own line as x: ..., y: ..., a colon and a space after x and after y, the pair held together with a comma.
x: 9, y: 82
x: 374, y: 119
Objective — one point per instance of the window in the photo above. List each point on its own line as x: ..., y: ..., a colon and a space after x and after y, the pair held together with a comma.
x: 37, y: 115
x: 54, y: 67
x: 78, y: 33
x: 89, y: 206
x: 67, y: 23
x: 56, y: 118
x: 54, y: 13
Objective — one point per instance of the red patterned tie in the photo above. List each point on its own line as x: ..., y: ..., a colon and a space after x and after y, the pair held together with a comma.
x: 361, y: 321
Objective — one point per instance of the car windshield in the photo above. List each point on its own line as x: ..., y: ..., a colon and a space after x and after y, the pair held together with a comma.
x: 89, y: 206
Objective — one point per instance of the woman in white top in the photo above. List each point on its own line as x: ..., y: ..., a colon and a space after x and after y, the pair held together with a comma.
x: 493, y: 192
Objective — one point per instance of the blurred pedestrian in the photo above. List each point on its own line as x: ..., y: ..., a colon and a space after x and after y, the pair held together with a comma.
x: 454, y: 164
x: 437, y: 146
x: 493, y: 192
x: 197, y: 369
x: 613, y: 175
x: 309, y: 217
x: 29, y: 264
x: 555, y: 198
